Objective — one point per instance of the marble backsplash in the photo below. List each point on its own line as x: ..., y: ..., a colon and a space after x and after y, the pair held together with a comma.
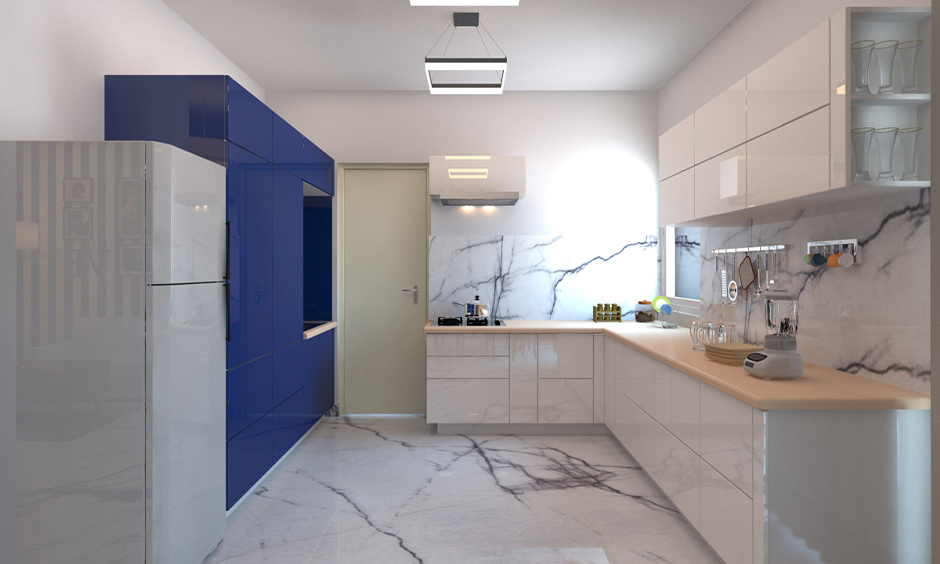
x: 871, y: 319
x: 540, y: 277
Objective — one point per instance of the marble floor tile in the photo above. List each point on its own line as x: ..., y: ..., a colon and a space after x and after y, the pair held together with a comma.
x: 387, y: 489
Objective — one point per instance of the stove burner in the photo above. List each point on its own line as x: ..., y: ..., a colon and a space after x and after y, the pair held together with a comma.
x: 444, y: 321
x: 471, y: 321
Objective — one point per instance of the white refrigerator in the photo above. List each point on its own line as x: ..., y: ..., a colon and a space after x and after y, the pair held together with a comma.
x: 112, y: 353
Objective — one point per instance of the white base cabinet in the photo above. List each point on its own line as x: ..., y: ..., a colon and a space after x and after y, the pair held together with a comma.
x: 468, y: 401
x: 514, y: 378
x: 840, y: 487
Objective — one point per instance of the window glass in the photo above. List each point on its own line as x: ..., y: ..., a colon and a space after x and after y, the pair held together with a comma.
x: 688, y: 267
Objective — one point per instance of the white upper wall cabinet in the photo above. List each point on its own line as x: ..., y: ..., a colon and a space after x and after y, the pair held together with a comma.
x: 721, y: 183
x: 722, y: 123
x: 789, y: 162
x: 792, y: 84
x: 677, y: 198
x: 677, y: 148
x: 859, y: 104
x: 785, y: 143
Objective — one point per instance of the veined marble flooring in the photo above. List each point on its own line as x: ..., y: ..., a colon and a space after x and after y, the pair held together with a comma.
x: 387, y: 490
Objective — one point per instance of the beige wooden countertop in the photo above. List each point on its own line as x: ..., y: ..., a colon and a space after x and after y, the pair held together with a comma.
x: 313, y: 332
x: 819, y: 388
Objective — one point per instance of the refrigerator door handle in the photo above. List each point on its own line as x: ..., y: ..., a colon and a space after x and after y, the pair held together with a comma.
x: 228, y: 296
x: 228, y: 253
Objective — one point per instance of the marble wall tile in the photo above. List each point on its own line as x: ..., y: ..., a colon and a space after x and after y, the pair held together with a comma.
x: 540, y: 277
x: 872, y: 319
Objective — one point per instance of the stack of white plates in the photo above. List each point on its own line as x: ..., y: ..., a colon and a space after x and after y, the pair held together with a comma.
x: 730, y: 353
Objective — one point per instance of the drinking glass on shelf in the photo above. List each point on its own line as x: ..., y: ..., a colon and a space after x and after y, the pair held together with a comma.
x: 861, y: 58
x: 907, y: 142
x: 907, y: 54
x: 861, y: 143
x: 884, y: 52
x: 885, y: 138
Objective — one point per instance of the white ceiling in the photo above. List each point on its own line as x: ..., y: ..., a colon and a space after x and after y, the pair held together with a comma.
x: 381, y: 44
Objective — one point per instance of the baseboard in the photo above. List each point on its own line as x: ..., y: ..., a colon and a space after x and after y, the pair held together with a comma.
x: 522, y: 429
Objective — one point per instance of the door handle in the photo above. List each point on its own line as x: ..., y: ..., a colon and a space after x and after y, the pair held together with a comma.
x: 415, y: 291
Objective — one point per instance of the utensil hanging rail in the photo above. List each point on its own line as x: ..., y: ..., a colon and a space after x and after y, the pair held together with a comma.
x: 750, y: 249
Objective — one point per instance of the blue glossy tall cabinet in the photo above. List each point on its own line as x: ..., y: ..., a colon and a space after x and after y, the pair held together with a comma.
x: 278, y: 385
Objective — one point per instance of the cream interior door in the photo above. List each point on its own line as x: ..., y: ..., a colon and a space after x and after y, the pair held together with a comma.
x: 386, y: 275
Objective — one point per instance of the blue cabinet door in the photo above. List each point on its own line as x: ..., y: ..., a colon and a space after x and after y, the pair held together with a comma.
x: 184, y: 111
x: 318, y: 371
x: 288, y: 377
x: 288, y: 258
x: 288, y: 147
x: 323, y: 383
x: 318, y: 167
x: 249, y: 456
x: 289, y: 424
x: 249, y: 212
x: 250, y: 123
x: 249, y: 394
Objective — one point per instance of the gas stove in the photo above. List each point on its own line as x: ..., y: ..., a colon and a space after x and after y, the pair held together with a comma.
x: 471, y: 321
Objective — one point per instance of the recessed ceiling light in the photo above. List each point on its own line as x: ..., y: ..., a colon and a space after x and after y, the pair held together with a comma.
x: 480, y: 173
x: 466, y: 158
x: 464, y: 3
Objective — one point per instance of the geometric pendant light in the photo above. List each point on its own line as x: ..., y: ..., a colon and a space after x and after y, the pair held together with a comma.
x: 476, y: 70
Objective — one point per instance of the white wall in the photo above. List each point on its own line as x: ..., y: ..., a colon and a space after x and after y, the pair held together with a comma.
x: 591, y: 157
x: 54, y: 55
x: 761, y: 30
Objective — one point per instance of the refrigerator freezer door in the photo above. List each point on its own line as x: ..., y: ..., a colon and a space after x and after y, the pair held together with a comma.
x: 186, y: 217
x: 186, y: 399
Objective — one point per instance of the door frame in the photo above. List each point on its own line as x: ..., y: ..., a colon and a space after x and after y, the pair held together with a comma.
x: 339, y: 262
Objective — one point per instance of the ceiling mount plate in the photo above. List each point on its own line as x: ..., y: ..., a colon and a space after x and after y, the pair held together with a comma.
x: 466, y: 19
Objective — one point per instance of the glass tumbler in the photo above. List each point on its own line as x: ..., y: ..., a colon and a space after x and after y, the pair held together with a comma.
x: 907, y: 55
x: 884, y: 52
x: 885, y: 138
x: 907, y: 143
x: 861, y: 143
x: 697, y: 329
x: 861, y: 58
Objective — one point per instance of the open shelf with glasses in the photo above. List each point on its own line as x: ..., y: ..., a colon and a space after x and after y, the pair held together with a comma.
x: 894, y: 92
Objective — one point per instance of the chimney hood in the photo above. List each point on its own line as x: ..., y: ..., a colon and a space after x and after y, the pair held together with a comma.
x: 476, y: 180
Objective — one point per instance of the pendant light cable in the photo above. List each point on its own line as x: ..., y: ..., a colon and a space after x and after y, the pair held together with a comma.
x: 503, y: 53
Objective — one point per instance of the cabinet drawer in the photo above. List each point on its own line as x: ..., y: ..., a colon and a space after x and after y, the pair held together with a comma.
x: 721, y: 124
x: 684, y: 422
x: 468, y: 367
x: 468, y: 401
x: 677, y: 198
x: 523, y: 379
x: 793, y: 83
x: 600, y: 377
x: 566, y: 401
x: 634, y: 429
x: 728, y: 437
x: 566, y: 356
x: 676, y: 470
x: 726, y: 521
x: 721, y: 183
x: 248, y: 456
x: 468, y: 345
x: 789, y: 162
